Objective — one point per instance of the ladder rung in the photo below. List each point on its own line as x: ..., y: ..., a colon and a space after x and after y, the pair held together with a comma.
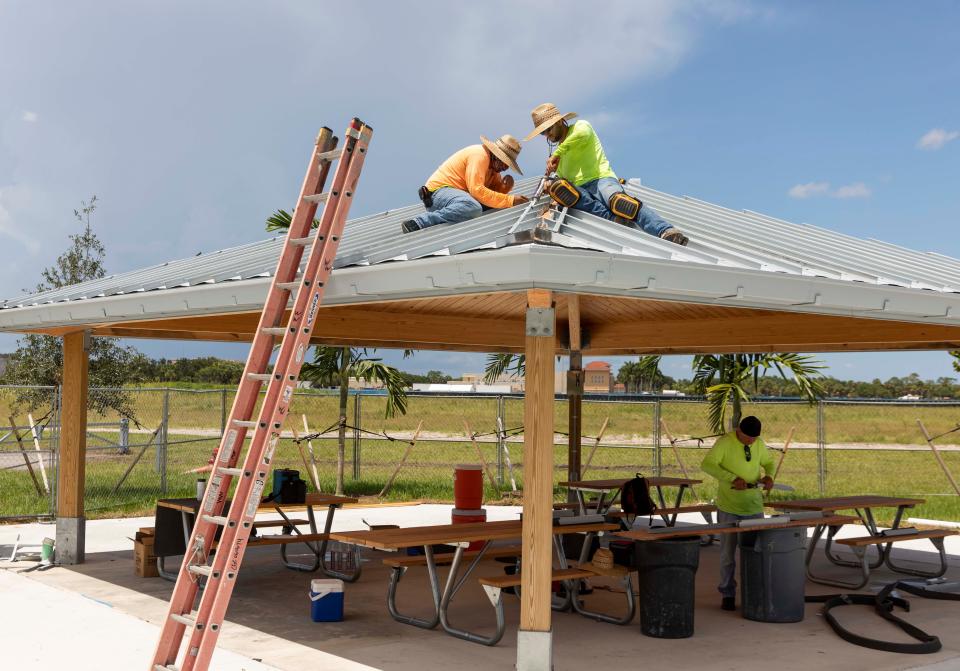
x: 331, y: 155
x: 161, y: 667
x: 289, y: 286
x: 200, y: 569
x: 230, y: 471
x: 217, y: 519
x: 274, y: 330
x: 245, y: 424
x: 262, y: 377
x: 184, y: 619
x: 302, y: 242
x: 317, y: 197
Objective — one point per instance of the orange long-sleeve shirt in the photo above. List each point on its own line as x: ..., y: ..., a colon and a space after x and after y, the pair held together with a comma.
x: 469, y: 170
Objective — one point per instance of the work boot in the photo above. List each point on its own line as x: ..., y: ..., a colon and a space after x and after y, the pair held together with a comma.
x: 728, y: 603
x: 409, y: 226
x: 675, y: 236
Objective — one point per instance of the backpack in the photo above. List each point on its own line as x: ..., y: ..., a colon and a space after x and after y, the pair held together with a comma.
x: 635, y: 498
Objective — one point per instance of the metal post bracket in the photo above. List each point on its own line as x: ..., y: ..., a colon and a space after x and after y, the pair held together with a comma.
x: 541, y: 322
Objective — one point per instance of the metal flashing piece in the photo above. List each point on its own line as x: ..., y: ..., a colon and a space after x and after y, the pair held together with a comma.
x: 541, y: 322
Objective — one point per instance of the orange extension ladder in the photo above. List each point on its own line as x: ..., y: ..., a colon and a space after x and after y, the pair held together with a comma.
x: 203, y: 624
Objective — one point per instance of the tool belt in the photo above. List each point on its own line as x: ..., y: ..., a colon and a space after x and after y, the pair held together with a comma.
x: 426, y: 196
x: 625, y: 206
x: 563, y: 192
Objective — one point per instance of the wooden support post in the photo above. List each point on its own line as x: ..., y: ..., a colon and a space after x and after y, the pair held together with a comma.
x: 574, y: 412
x: 313, y: 457
x: 483, y: 462
x: 786, y: 446
x: 406, y: 453
x: 36, y: 446
x: 303, y: 459
x: 936, y: 454
x: 73, y: 449
x: 537, y: 535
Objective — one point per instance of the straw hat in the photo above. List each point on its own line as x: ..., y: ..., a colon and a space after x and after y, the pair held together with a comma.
x: 506, y: 148
x: 544, y: 116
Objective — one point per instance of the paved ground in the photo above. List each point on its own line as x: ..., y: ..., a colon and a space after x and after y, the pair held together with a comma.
x: 104, y: 617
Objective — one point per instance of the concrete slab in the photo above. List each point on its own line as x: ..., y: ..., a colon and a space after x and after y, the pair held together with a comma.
x: 269, y: 616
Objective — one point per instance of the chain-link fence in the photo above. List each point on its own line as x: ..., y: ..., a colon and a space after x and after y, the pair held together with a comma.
x: 834, y: 447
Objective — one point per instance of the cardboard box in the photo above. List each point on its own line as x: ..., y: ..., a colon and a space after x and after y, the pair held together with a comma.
x: 144, y: 561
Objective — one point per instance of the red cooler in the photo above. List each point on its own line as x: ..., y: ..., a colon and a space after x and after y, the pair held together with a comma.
x: 459, y: 516
x: 467, y: 487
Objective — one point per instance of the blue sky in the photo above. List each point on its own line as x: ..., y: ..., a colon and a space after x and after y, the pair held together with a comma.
x: 191, y: 120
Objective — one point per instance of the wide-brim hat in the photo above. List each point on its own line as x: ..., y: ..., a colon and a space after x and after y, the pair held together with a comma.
x: 506, y: 148
x: 544, y: 116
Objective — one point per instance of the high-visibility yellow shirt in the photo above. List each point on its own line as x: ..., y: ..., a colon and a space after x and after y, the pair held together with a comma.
x: 581, y: 155
x: 469, y: 170
x: 727, y: 461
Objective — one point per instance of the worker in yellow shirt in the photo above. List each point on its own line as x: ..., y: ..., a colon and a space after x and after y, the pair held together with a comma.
x: 735, y: 461
x: 468, y: 183
x: 579, y: 158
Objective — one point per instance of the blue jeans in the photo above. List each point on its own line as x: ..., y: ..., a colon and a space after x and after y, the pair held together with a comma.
x: 728, y: 553
x: 450, y: 206
x: 595, y: 198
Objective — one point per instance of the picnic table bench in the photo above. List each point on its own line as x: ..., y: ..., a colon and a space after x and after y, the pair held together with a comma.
x: 863, y: 506
x: 609, y: 491
x: 461, y: 535
x: 175, y: 518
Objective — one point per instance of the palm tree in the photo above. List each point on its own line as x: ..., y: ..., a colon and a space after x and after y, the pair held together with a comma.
x: 723, y: 378
x: 334, y: 366
x: 956, y: 360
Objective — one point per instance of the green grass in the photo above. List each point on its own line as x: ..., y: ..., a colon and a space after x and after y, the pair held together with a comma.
x: 428, y: 474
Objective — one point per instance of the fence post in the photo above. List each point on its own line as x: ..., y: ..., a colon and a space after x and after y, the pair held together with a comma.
x: 500, y: 423
x: 657, y: 463
x: 356, y: 435
x: 223, y: 412
x: 821, y: 450
x: 124, y: 436
x: 162, y: 445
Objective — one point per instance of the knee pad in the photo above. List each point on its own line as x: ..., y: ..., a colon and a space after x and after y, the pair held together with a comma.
x: 563, y: 193
x: 625, y: 206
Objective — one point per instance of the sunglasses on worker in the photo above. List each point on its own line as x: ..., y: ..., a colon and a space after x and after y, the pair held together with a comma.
x: 746, y: 452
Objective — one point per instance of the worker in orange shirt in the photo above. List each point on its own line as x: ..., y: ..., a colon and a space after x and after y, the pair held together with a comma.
x: 468, y: 183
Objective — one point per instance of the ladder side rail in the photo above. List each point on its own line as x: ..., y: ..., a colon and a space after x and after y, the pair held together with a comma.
x: 244, y: 403
x: 214, y: 602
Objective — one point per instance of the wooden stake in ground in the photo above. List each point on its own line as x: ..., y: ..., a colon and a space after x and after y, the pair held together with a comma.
x: 303, y: 458
x: 313, y: 458
x: 676, y: 454
x: 506, y: 455
x: 36, y: 444
x: 26, y: 459
x: 786, y: 446
x: 403, y: 460
x: 483, y: 462
x: 136, y: 459
x: 596, y: 444
x: 939, y: 458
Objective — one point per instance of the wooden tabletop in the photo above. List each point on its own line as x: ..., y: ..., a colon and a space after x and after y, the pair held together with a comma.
x: 616, y: 483
x: 397, y: 539
x: 846, y: 502
x: 190, y: 505
x: 688, y: 532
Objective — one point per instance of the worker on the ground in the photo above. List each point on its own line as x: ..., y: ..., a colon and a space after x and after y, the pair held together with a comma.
x: 735, y: 461
x: 579, y: 159
x: 468, y: 183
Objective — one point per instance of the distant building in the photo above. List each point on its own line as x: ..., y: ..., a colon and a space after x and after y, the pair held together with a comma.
x: 597, y: 378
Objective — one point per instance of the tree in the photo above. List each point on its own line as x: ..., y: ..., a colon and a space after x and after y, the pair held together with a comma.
x: 334, y: 366
x: 39, y: 358
x: 956, y: 359
x: 723, y: 378
x: 636, y: 376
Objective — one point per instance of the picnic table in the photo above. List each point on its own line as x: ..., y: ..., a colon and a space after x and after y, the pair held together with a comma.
x: 175, y: 518
x: 461, y: 536
x: 609, y: 493
x: 725, y: 529
x: 863, y: 506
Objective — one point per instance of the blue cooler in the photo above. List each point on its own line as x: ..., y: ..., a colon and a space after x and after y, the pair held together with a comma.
x: 326, y: 600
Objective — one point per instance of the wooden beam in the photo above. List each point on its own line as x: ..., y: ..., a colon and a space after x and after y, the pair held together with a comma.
x: 573, y: 322
x: 538, y: 472
x: 811, y: 347
x: 73, y: 430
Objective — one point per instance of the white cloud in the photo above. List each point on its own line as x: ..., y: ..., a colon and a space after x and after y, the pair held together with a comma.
x: 29, y: 117
x: 809, y: 189
x: 855, y: 190
x: 936, y: 138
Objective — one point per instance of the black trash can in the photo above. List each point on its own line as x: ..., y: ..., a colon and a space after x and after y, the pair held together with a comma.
x: 772, y: 574
x: 667, y: 572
